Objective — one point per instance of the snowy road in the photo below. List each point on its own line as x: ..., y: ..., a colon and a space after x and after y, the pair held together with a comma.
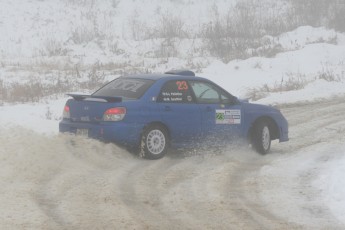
x: 54, y: 182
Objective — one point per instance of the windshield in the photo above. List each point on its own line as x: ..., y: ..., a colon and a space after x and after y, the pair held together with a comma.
x: 127, y: 88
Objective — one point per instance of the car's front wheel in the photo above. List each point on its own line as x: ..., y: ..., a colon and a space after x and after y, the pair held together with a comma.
x: 154, y: 142
x: 261, y: 138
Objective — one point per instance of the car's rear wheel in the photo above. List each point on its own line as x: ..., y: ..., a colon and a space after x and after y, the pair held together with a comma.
x: 261, y: 138
x: 154, y: 142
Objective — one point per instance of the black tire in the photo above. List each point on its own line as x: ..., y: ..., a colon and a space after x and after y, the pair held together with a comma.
x: 154, y: 142
x: 261, y: 138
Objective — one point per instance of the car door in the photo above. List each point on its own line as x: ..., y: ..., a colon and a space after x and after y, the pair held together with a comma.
x: 179, y: 112
x: 221, y: 116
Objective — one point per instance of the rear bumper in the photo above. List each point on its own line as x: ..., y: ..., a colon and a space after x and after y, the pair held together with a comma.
x: 117, y: 132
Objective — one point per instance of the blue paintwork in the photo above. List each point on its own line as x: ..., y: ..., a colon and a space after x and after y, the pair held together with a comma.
x: 187, y: 124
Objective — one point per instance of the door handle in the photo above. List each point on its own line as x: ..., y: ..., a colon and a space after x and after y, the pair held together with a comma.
x: 167, y: 108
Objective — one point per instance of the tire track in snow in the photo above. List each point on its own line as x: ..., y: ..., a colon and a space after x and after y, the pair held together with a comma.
x: 73, y: 183
x: 313, y: 127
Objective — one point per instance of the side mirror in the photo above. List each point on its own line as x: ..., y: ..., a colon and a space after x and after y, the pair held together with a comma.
x: 229, y: 101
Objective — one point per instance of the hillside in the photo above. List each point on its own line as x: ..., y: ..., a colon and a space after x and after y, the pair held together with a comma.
x: 50, y: 47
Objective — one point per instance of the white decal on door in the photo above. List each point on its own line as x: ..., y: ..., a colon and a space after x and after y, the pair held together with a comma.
x: 228, y: 117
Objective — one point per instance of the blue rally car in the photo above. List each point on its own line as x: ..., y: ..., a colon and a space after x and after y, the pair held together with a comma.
x: 152, y: 112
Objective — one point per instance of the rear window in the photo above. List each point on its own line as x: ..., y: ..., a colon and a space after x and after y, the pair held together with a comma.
x: 128, y: 88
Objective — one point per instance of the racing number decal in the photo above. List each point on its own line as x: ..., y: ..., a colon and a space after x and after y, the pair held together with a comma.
x: 182, y: 85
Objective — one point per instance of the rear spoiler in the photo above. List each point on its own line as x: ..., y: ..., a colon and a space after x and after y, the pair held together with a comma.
x: 80, y: 97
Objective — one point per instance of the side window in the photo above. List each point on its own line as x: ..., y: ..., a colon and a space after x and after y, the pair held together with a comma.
x: 176, y: 92
x: 208, y: 93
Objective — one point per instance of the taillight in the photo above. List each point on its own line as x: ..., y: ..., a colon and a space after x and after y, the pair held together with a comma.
x: 114, y: 114
x: 66, y: 114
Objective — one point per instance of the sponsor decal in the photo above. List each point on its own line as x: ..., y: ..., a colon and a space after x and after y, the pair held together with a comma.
x: 172, y: 96
x: 228, y: 117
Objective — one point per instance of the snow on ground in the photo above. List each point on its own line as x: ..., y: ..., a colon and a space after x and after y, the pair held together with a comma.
x: 308, y: 62
x: 64, y: 181
x: 318, y: 90
x: 315, y: 57
x: 40, y: 117
x: 331, y: 181
x: 35, y: 28
x: 309, y: 66
x: 238, y: 77
x: 323, y: 165
x: 324, y: 161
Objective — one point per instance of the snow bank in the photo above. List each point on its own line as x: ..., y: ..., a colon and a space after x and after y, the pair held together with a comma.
x: 308, y: 64
x: 40, y: 117
x: 331, y: 180
x: 302, y: 179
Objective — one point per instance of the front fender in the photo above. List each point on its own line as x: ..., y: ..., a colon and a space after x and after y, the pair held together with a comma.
x: 255, y: 113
